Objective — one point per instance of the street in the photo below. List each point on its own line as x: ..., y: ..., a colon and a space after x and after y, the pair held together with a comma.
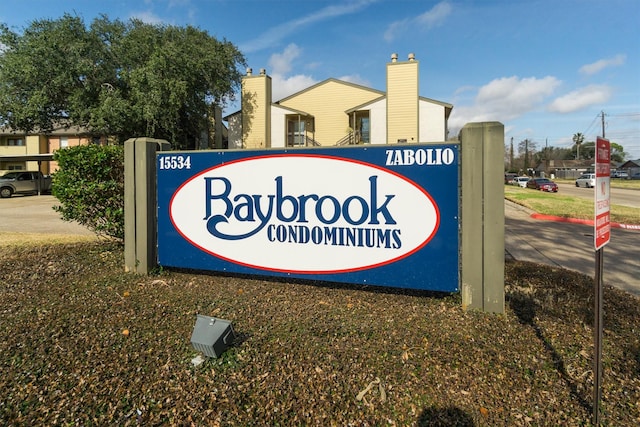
x: 619, y: 196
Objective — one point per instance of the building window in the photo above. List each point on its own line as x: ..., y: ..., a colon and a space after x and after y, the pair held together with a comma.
x: 363, y: 130
x: 13, y: 142
x: 64, y: 141
x: 362, y: 127
x: 295, y: 133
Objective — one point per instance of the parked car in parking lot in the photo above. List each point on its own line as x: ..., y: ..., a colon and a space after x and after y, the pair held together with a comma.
x: 521, y: 181
x: 635, y: 175
x: 587, y: 180
x: 620, y: 174
x: 509, y: 177
x: 24, y: 182
x: 542, y: 184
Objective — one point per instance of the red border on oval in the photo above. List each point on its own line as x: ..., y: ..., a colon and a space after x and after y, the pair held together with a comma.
x: 335, y: 158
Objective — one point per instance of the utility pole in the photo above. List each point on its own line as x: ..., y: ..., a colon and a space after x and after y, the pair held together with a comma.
x: 546, y: 149
x: 603, y: 124
x: 511, y: 156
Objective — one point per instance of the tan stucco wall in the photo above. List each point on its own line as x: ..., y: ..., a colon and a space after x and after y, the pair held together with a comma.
x: 256, y: 111
x: 327, y: 103
x: 402, y: 101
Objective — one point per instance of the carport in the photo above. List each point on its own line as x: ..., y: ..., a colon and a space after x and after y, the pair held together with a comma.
x: 29, y: 158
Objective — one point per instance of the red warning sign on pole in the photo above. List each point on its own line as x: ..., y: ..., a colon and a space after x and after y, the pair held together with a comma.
x: 602, y: 223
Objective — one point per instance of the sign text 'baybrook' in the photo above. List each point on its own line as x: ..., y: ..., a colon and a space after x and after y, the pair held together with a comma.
x: 302, y: 210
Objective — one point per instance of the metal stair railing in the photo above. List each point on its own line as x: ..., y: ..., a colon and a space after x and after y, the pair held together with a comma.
x: 348, y: 139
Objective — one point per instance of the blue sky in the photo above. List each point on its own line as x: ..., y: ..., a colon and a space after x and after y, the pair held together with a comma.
x: 547, y: 69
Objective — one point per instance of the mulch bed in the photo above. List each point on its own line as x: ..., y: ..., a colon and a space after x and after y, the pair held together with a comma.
x: 84, y: 343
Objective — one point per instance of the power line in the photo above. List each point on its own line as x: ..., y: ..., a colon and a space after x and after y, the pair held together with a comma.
x: 624, y: 115
x: 595, y: 119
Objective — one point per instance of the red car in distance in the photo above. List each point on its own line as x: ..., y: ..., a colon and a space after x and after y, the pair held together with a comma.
x: 542, y: 184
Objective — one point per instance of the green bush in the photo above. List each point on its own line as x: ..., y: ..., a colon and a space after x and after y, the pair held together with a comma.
x: 90, y: 187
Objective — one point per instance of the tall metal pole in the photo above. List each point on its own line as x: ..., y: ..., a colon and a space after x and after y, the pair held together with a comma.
x: 597, y: 338
x: 598, y: 325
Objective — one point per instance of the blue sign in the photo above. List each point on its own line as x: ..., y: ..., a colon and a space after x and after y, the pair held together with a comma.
x: 377, y: 215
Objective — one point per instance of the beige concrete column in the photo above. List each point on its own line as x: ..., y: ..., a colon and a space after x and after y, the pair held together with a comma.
x: 140, y: 201
x: 482, y: 216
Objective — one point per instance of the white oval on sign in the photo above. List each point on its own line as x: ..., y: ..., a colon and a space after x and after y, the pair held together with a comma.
x: 303, y: 213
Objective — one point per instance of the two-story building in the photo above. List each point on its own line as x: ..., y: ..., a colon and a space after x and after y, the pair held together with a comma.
x: 31, y: 151
x: 335, y: 112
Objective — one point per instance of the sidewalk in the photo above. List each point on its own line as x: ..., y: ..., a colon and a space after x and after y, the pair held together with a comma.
x: 570, y: 245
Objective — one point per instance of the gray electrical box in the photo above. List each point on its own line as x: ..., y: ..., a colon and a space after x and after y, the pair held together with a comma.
x: 212, y: 336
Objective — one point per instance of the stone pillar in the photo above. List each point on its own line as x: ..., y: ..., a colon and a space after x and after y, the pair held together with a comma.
x: 140, y: 203
x: 482, y: 216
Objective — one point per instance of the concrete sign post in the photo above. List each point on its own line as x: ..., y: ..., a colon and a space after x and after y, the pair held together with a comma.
x: 422, y: 216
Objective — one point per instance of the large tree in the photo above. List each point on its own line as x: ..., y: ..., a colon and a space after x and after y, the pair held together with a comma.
x: 123, y: 79
x: 618, y: 154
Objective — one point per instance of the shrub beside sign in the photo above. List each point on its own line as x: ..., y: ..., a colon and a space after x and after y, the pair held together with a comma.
x: 379, y: 215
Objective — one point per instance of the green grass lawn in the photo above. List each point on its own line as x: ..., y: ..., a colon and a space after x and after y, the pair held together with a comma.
x: 557, y: 204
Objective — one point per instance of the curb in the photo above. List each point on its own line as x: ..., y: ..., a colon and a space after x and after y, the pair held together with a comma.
x: 543, y: 217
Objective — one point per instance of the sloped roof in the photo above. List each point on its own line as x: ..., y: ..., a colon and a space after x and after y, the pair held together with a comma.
x: 58, y: 130
x: 382, y: 95
x: 46, y: 157
x: 630, y: 164
x: 361, y: 106
x: 293, y: 110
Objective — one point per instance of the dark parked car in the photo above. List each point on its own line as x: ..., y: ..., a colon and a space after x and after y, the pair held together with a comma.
x: 542, y: 184
x: 635, y: 176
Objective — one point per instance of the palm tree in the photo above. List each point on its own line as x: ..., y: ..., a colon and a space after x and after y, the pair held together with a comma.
x: 578, y: 139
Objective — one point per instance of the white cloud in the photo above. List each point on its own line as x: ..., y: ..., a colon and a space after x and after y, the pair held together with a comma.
x: 429, y: 19
x: 504, y: 99
x: 279, y: 32
x: 463, y: 89
x: 355, y: 79
x: 284, y: 86
x: 281, y: 64
x: 581, y: 98
x: 148, y: 18
x: 598, y: 66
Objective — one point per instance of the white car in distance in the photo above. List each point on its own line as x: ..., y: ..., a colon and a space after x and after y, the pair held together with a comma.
x: 521, y: 181
x: 587, y: 180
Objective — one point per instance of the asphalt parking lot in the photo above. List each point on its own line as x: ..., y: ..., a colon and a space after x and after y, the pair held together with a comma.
x: 35, y: 214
